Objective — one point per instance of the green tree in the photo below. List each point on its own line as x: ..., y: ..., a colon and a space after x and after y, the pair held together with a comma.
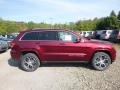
x: 71, y: 26
x: 113, y: 14
x: 118, y: 15
x: 86, y: 25
x: 110, y: 22
x: 30, y: 25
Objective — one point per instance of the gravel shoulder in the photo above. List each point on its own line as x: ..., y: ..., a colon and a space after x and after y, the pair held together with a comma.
x: 58, y: 76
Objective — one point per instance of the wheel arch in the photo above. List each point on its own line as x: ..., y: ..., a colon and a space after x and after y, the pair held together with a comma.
x: 31, y: 51
x: 105, y: 51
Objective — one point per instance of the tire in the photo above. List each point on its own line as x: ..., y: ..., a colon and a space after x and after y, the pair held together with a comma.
x: 29, y: 62
x: 101, y: 61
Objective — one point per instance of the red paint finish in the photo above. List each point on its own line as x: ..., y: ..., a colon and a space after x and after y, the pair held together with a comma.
x: 57, y: 50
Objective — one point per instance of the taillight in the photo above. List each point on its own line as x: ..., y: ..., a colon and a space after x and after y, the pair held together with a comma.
x: 12, y: 44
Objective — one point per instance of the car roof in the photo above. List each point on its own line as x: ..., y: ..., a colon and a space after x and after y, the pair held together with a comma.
x: 44, y: 29
x: 47, y: 29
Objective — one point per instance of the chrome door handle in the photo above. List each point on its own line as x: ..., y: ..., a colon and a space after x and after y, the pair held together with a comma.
x: 62, y: 43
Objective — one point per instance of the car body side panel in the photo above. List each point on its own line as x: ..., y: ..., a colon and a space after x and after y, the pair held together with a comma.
x: 48, y: 50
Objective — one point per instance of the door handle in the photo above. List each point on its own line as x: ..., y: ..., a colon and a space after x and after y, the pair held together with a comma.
x: 37, y: 43
x: 62, y: 43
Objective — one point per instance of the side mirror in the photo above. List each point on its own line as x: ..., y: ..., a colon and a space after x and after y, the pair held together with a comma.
x: 77, y: 40
x: 89, y: 38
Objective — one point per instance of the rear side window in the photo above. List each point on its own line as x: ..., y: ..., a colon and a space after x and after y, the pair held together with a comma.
x: 46, y: 35
x: 84, y: 33
x: 104, y: 32
x: 115, y: 32
x: 90, y: 32
x: 109, y: 32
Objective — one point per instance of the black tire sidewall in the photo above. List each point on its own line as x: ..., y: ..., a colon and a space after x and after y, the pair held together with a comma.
x: 23, y: 58
x: 96, y: 55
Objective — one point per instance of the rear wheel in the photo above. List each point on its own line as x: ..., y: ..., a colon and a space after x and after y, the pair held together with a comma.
x: 29, y: 62
x: 101, y: 61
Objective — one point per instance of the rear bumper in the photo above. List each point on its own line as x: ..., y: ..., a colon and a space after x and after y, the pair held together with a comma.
x: 3, y: 48
x: 15, y: 55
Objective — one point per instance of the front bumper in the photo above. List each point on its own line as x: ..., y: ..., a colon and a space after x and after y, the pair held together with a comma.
x: 113, y: 54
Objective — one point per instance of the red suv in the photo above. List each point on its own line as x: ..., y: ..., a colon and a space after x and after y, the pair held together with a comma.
x: 33, y: 47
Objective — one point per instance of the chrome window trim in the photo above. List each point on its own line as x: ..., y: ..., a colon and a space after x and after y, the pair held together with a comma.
x: 20, y: 39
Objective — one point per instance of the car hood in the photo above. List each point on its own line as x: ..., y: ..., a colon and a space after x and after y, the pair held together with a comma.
x: 100, y: 42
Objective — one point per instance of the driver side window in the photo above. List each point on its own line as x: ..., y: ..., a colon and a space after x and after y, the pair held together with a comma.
x: 65, y: 36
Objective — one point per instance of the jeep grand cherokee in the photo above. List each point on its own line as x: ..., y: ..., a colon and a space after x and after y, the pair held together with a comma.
x: 37, y: 46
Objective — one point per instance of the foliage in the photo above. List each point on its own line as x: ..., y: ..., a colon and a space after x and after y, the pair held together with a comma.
x: 110, y: 22
x: 112, y: 14
x: 118, y: 15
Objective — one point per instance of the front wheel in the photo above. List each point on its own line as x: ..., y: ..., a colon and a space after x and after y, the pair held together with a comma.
x: 101, y: 61
x: 29, y: 62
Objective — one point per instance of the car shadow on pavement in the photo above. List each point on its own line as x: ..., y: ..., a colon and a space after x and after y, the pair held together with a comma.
x: 83, y: 65
x: 2, y: 52
x: 13, y: 63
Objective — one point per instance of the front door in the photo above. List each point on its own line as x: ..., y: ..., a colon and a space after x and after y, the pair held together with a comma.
x: 69, y: 49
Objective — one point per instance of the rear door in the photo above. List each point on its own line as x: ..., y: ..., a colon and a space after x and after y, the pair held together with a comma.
x: 48, y: 44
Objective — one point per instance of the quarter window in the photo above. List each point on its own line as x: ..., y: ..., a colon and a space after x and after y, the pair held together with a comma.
x: 30, y: 36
